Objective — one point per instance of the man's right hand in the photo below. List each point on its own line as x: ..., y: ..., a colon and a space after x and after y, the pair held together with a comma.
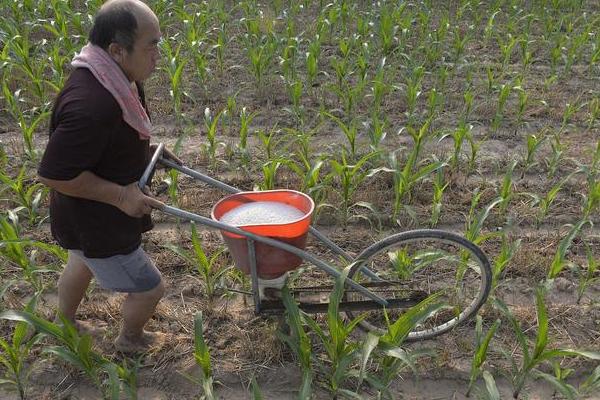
x: 133, y: 202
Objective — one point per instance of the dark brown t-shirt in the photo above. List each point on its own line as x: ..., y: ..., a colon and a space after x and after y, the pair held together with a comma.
x: 87, y: 132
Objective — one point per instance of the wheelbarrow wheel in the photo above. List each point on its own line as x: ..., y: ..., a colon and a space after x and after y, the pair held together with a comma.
x: 415, y: 265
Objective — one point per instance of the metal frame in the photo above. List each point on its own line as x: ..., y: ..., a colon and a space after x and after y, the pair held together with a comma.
x: 252, y: 238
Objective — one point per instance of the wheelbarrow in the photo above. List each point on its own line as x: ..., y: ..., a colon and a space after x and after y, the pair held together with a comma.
x: 384, y: 280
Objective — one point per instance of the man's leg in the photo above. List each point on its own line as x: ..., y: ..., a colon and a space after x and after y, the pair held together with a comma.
x: 137, y: 310
x: 72, y: 285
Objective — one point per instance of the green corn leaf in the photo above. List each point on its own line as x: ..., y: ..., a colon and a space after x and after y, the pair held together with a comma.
x: 201, y: 351
x: 198, y: 250
x: 564, y: 388
x: 36, y: 322
x: 592, y: 382
x: 256, y: 392
x: 499, y: 304
x: 369, y: 344
x: 558, y: 262
x: 542, y: 317
x: 490, y: 385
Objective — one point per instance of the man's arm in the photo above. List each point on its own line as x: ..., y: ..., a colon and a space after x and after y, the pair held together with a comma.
x: 129, y: 199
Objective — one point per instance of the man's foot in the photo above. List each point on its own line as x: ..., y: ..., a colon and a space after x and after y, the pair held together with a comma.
x: 140, y: 344
x: 86, y: 327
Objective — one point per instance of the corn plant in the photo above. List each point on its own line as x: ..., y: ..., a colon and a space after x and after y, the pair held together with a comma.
x: 390, y: 355
x: 350, y: 131
x: 245, y: 121
x: 459, y: 135
x: 376, y: 131
x: 211, y: 124
x: 507, y: 190
x: 28, y: 197
x: 559, y: 260
x: 74, y: 349
x: 481, y: 348
x: 206, y: 266
x: 474, y: 222
x: 502, y: 99
x: 27, y: 121
x: 508, y: 249
x: 533, y: 144
x: 406, y: 176
x: 299, y: 342
x: 539, y: 354
x: 594, y: 112
x: 592, y: 383
x: 413, y: 90
x: 341, y: 351
x: 14, y: 353
x: 174, y: 69
x: 588, y: 276
x: 556, y: 156
x: 439, y: 186
x: 202, y: 357
x: 546, y: 202
x: 349, y: 177
x: 269, y: 170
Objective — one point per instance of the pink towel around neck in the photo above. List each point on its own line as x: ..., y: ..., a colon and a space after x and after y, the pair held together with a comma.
x: 110, y: 75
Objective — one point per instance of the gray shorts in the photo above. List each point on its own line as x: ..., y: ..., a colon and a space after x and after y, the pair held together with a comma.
x: 133, y: 272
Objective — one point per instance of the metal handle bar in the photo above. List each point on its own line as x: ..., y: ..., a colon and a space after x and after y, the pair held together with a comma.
x: 148, y: 171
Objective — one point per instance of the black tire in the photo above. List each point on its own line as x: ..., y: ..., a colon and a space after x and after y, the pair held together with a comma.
x: 430, y: 253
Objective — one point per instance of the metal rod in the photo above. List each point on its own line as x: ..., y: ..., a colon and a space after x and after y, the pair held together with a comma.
x: 275, y: 243
x: 150, y: 168
x: 199, y: 176
x: 254, y: 275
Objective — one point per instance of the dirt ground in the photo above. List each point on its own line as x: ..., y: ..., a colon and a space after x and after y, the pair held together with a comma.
x: 244, y: 345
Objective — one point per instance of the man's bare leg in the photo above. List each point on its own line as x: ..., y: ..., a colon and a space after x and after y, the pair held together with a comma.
x: 72, y: 284
x: 137, y: 310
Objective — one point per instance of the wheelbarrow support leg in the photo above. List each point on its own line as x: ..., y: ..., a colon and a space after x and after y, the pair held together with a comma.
x: 254, y: 274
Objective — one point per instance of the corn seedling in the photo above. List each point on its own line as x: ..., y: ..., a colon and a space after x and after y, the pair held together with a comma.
x: 27, y: 121
x: 406, y: 176
x: 202, y: 357
x: 481, y: 348
x: 594, y: 112
x: 206, y: 265
x: 588, y: 276
x: 211, y: 124
x: 439, y: 186
x: 559, y: 261
x: 14, y: 353
x: 28, y: 197
x: 546, y: 202
x: 459, y: 135
x: 474, y: 223
x: 556, y: 156
x: 392, y: 358
x: 508, y: 249
x: 502, y: 99
x: 592, y: 383
x: 350, y: 131
x: 349, y: 177
x: 174, y: 69
x: 341, y: 351
x: 299, y: 342
x: 533, y: 144
x: 73, y: 348
x: 245, y: 121
x: 507, y: 190
x: 539, y: 354
x: 376, y: 131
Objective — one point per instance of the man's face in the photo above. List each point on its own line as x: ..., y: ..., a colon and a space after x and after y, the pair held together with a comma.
x: 139, y: 63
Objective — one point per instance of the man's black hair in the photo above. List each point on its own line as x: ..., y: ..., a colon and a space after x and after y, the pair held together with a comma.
x: 115, y: 24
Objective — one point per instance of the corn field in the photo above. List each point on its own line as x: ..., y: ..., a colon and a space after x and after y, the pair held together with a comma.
x: 480, y: 117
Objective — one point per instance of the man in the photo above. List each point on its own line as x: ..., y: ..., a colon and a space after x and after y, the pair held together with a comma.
x: 98, y: 150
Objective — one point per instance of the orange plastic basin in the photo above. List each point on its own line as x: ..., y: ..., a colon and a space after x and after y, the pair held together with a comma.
x: 271, y: 262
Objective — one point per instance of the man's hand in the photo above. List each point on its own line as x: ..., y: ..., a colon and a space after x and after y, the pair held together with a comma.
x: 168, y: 154
x: 133, y: 202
